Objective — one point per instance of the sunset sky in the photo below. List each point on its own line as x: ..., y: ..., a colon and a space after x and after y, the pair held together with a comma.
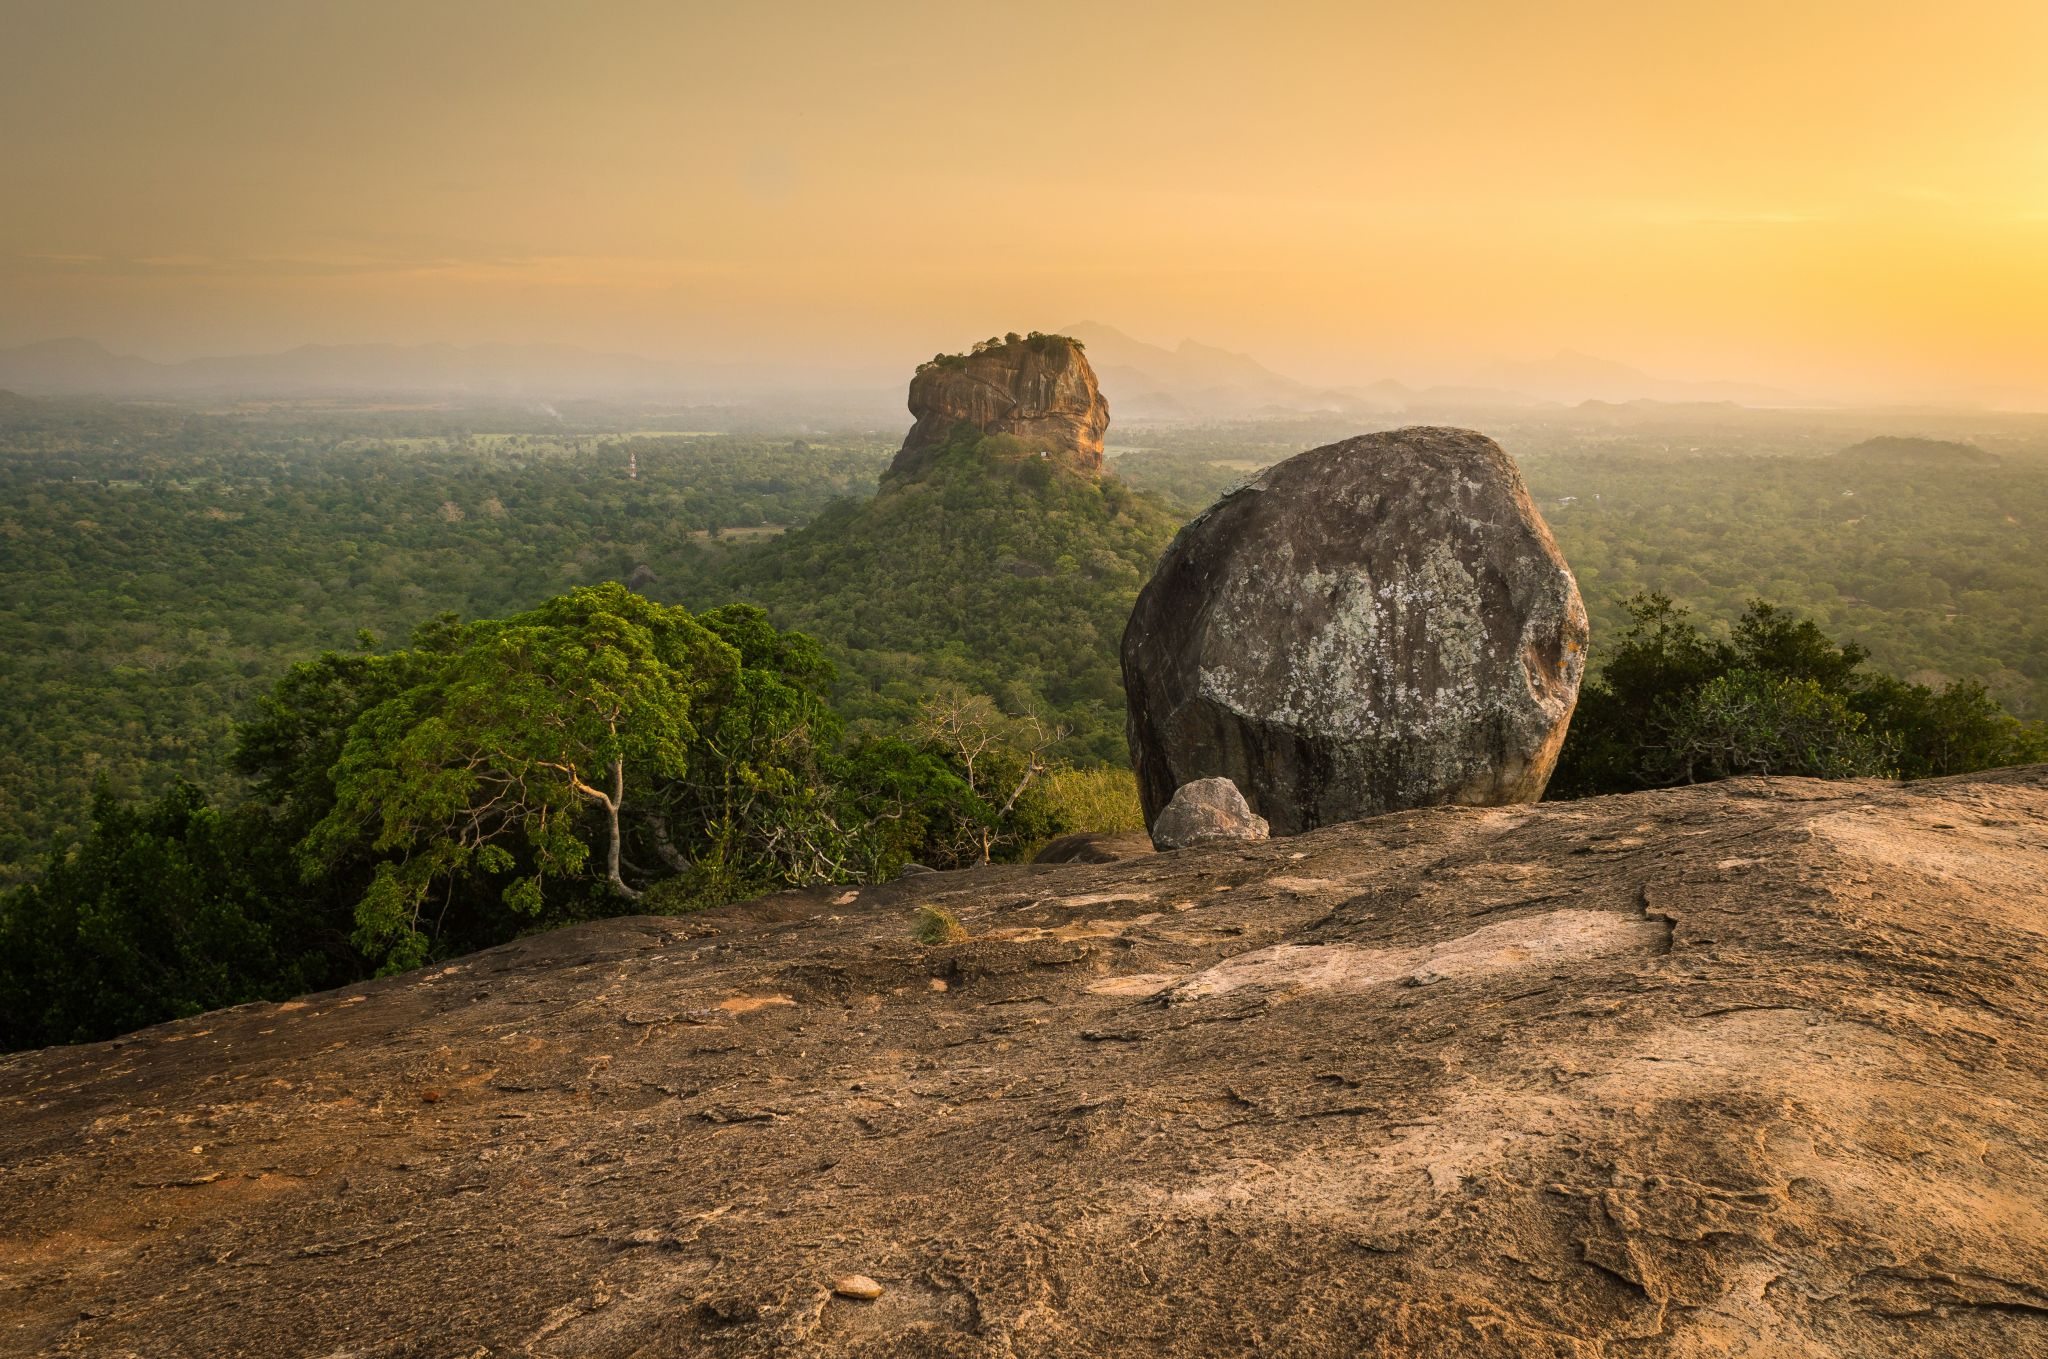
x: 1845, y: 198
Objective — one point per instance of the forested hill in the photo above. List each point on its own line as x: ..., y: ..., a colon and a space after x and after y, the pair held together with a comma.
x: 992, y: 569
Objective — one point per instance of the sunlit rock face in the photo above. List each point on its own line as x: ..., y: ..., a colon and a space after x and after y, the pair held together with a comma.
x: 1377, y: 624
x: 1039, y: 389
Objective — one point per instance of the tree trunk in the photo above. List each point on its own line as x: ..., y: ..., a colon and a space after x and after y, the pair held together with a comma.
x: 666, y: 847
x: 611, y: 809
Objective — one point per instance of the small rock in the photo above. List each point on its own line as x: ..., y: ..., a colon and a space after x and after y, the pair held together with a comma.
x: 1206, y: 809
x: 857, y: 1286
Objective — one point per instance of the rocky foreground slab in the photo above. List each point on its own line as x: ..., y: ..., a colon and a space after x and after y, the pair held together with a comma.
x: 1754, y: 1069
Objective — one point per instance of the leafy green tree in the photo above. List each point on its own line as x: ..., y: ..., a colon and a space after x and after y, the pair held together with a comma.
x: 1951, y: 730
x: 494, y: 774
x: 492, y: 759
x: 1672, y: 704
x: 1659, y: 658
x: 165, y: 909
x: 291, y: 743
x: 1749, y: 722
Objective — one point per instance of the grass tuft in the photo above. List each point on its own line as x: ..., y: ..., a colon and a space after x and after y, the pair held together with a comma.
x: 935, y: 925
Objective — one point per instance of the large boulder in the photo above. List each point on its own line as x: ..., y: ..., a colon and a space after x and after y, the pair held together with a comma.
x: 1377, y: 624
x: 1039, y: 389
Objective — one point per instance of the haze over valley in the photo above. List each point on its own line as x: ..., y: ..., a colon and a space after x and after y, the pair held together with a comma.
x: 1188, y: 381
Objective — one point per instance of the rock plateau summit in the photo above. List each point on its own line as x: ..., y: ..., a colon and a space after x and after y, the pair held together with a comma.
x: 1038, y: 388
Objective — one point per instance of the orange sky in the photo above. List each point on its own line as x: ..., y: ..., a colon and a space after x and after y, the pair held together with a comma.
x: 1847, y: 198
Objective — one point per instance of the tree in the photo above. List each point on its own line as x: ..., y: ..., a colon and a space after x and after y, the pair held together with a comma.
x: 1674, y: 705
x: 164, y: 909
x: 1660, y: 656
x: 1951, y: 730
x: 998, y: 758
x: 762, y: 802
x: 490, y: 759
x: 289, y: 747
x: 596, y: 751
x: 1747, y: 722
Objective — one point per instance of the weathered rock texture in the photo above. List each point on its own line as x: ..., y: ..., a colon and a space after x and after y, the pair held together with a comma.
x: 1040, y: 389
x: 1094, y: 847
x: 1754, y: 1069
x: 1206, y: 809
x: 1377, y: 624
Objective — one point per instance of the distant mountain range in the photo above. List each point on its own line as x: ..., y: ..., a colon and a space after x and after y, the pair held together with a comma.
x: 1194, y: 380
x: 1148, y: 382
x: 1144, y: 382
x: 86, y: 368
x: 1571, y: 378
x: 1198, y: 381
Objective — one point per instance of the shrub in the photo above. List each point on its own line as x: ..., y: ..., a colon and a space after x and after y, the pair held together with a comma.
x: 1746, y: 722
x: 1102, y: 800
x: 1672, y: 704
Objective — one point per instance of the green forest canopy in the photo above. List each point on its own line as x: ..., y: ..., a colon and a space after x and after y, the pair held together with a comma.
x: 598, y: 754
x: 269, y: 819
x: 162, y: 567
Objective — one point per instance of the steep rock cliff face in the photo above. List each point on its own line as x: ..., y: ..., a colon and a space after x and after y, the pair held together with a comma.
x: 1039, y: 389
x: 1753, y: 1069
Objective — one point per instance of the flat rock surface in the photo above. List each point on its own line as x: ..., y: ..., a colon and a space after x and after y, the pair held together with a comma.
x: 1752, y: 1069
x: 1094, y: 847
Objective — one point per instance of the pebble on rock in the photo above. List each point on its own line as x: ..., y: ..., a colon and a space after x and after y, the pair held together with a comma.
x: 857, y: 1286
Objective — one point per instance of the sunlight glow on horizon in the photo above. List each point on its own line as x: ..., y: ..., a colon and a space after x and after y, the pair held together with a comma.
x: 1840, y: 198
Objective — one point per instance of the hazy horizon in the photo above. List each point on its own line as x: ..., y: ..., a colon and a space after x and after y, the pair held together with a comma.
x: 1846, y: 203
x: 851, y: 371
